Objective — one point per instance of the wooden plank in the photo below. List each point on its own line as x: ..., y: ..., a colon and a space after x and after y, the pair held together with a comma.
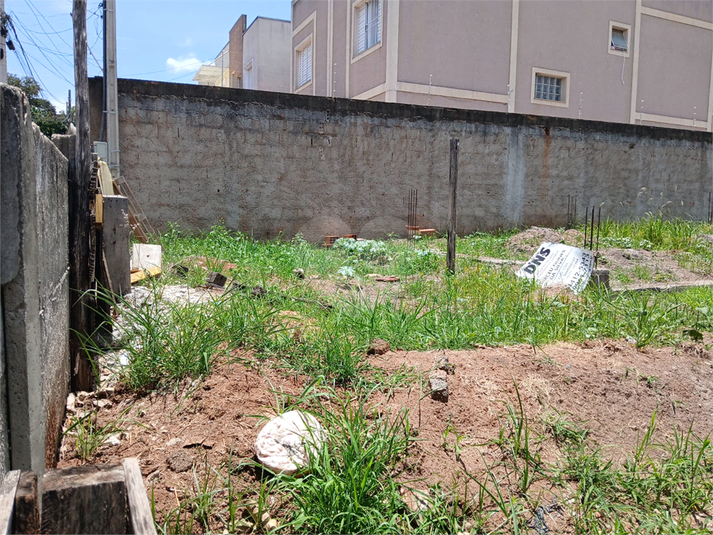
x: 85, y: 499
x: 7, y: 500
x: 99, y: 209
x: 144, y: 273
x: 139, y: 507
x: 453, y: 187
x: 27, y: 506
x: 139, y: 222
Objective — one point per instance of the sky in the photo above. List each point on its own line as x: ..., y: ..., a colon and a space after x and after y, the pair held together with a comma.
x: 163, y: 40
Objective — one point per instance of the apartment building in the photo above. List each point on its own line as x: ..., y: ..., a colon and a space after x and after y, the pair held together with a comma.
x: 624, y: 61
x: 256, y: 57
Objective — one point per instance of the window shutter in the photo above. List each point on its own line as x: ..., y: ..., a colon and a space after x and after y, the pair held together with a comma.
x: 304, y: 73
x: 361, y: 29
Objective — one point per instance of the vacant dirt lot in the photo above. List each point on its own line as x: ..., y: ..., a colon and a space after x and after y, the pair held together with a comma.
x: 608, y: 387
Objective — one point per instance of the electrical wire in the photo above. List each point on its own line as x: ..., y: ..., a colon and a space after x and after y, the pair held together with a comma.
x: 51, y: 67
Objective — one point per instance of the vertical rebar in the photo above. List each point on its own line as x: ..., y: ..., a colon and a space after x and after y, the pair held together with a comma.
x: 591, y: 232
x: 586, y: 225
x: 412, y: 216
x: 599, y: 223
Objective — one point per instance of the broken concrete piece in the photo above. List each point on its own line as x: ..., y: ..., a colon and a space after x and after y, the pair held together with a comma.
x: 378, y: 347
x: 443, y: 364
x: 145, y: 256
x: 439, y: 385
x: 216, y: 280
x: 284, y: 444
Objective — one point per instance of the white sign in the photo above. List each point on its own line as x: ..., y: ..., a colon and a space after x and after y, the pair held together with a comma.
x: 556, y: 264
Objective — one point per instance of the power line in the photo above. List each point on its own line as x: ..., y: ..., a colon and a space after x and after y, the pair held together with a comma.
x: 41, y: 50
x: 24, y: 60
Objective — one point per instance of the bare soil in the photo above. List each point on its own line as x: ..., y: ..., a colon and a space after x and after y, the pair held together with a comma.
x: 608, y: 387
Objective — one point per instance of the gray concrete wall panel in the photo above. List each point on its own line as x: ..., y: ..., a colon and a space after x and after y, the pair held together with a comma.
x: 283, y: 163
x: 35, y: 295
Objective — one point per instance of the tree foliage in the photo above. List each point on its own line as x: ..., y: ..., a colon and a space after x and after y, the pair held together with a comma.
x: 43, y: 112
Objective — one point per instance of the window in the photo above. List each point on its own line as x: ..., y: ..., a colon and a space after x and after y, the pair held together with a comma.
x: 550, y: 87
x: 304, y: 64
x: 619, y: 39
x: 368, y: 21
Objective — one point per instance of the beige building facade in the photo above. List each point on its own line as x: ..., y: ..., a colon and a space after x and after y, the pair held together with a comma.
x: 624, y: 61
x: 256, y: 57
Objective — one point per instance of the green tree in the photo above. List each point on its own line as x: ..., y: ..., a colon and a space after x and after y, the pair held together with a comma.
x: 43, y: 112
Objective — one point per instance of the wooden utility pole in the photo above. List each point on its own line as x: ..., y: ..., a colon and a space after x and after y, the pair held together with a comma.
x: 452, y: 187
x: 80, y: 232
x: 112, y: 98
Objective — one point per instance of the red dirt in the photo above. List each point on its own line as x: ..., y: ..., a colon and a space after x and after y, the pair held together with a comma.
x: 609, y: 387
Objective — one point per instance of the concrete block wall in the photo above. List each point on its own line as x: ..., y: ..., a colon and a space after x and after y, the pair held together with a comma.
x: 271, y: 163
x: 35, y: 292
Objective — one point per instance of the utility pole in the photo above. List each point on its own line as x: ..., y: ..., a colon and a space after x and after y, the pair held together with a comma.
x: 3, y: 51
x: 81, y: 317
x: 112, y: 97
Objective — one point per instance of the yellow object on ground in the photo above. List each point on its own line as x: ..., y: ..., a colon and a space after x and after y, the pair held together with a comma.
x: 154, y: 271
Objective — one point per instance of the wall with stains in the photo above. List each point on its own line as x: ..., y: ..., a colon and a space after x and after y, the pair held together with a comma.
x: 34, y: 243
x: 271, y: 163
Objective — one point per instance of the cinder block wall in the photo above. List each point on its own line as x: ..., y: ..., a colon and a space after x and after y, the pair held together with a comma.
x: 270, y: 163
x: 35, y: 291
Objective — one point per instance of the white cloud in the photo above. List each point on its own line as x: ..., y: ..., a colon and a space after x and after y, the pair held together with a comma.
x: 183, y: 64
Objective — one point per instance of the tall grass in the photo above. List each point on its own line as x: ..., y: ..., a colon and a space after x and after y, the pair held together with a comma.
x: 656, y: 232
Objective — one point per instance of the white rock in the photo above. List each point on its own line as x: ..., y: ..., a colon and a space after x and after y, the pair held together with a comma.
x: 112, y: 440
x: 71, y: 403
x: 284, y: 444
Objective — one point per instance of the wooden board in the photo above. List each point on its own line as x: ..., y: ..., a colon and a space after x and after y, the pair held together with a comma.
x: 7, y: 500
x: 85, y: 499
x: 141, y: 275
x: 139, y: 508
x: 27, y: 506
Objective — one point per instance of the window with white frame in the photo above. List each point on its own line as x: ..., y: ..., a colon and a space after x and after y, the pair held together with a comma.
x: 550, y: 87
x: 619, y: 38
x: 304, y: 64
x: 368, y: 21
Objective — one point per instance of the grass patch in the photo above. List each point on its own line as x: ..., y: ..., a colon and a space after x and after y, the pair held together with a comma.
x: 356, y: 482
